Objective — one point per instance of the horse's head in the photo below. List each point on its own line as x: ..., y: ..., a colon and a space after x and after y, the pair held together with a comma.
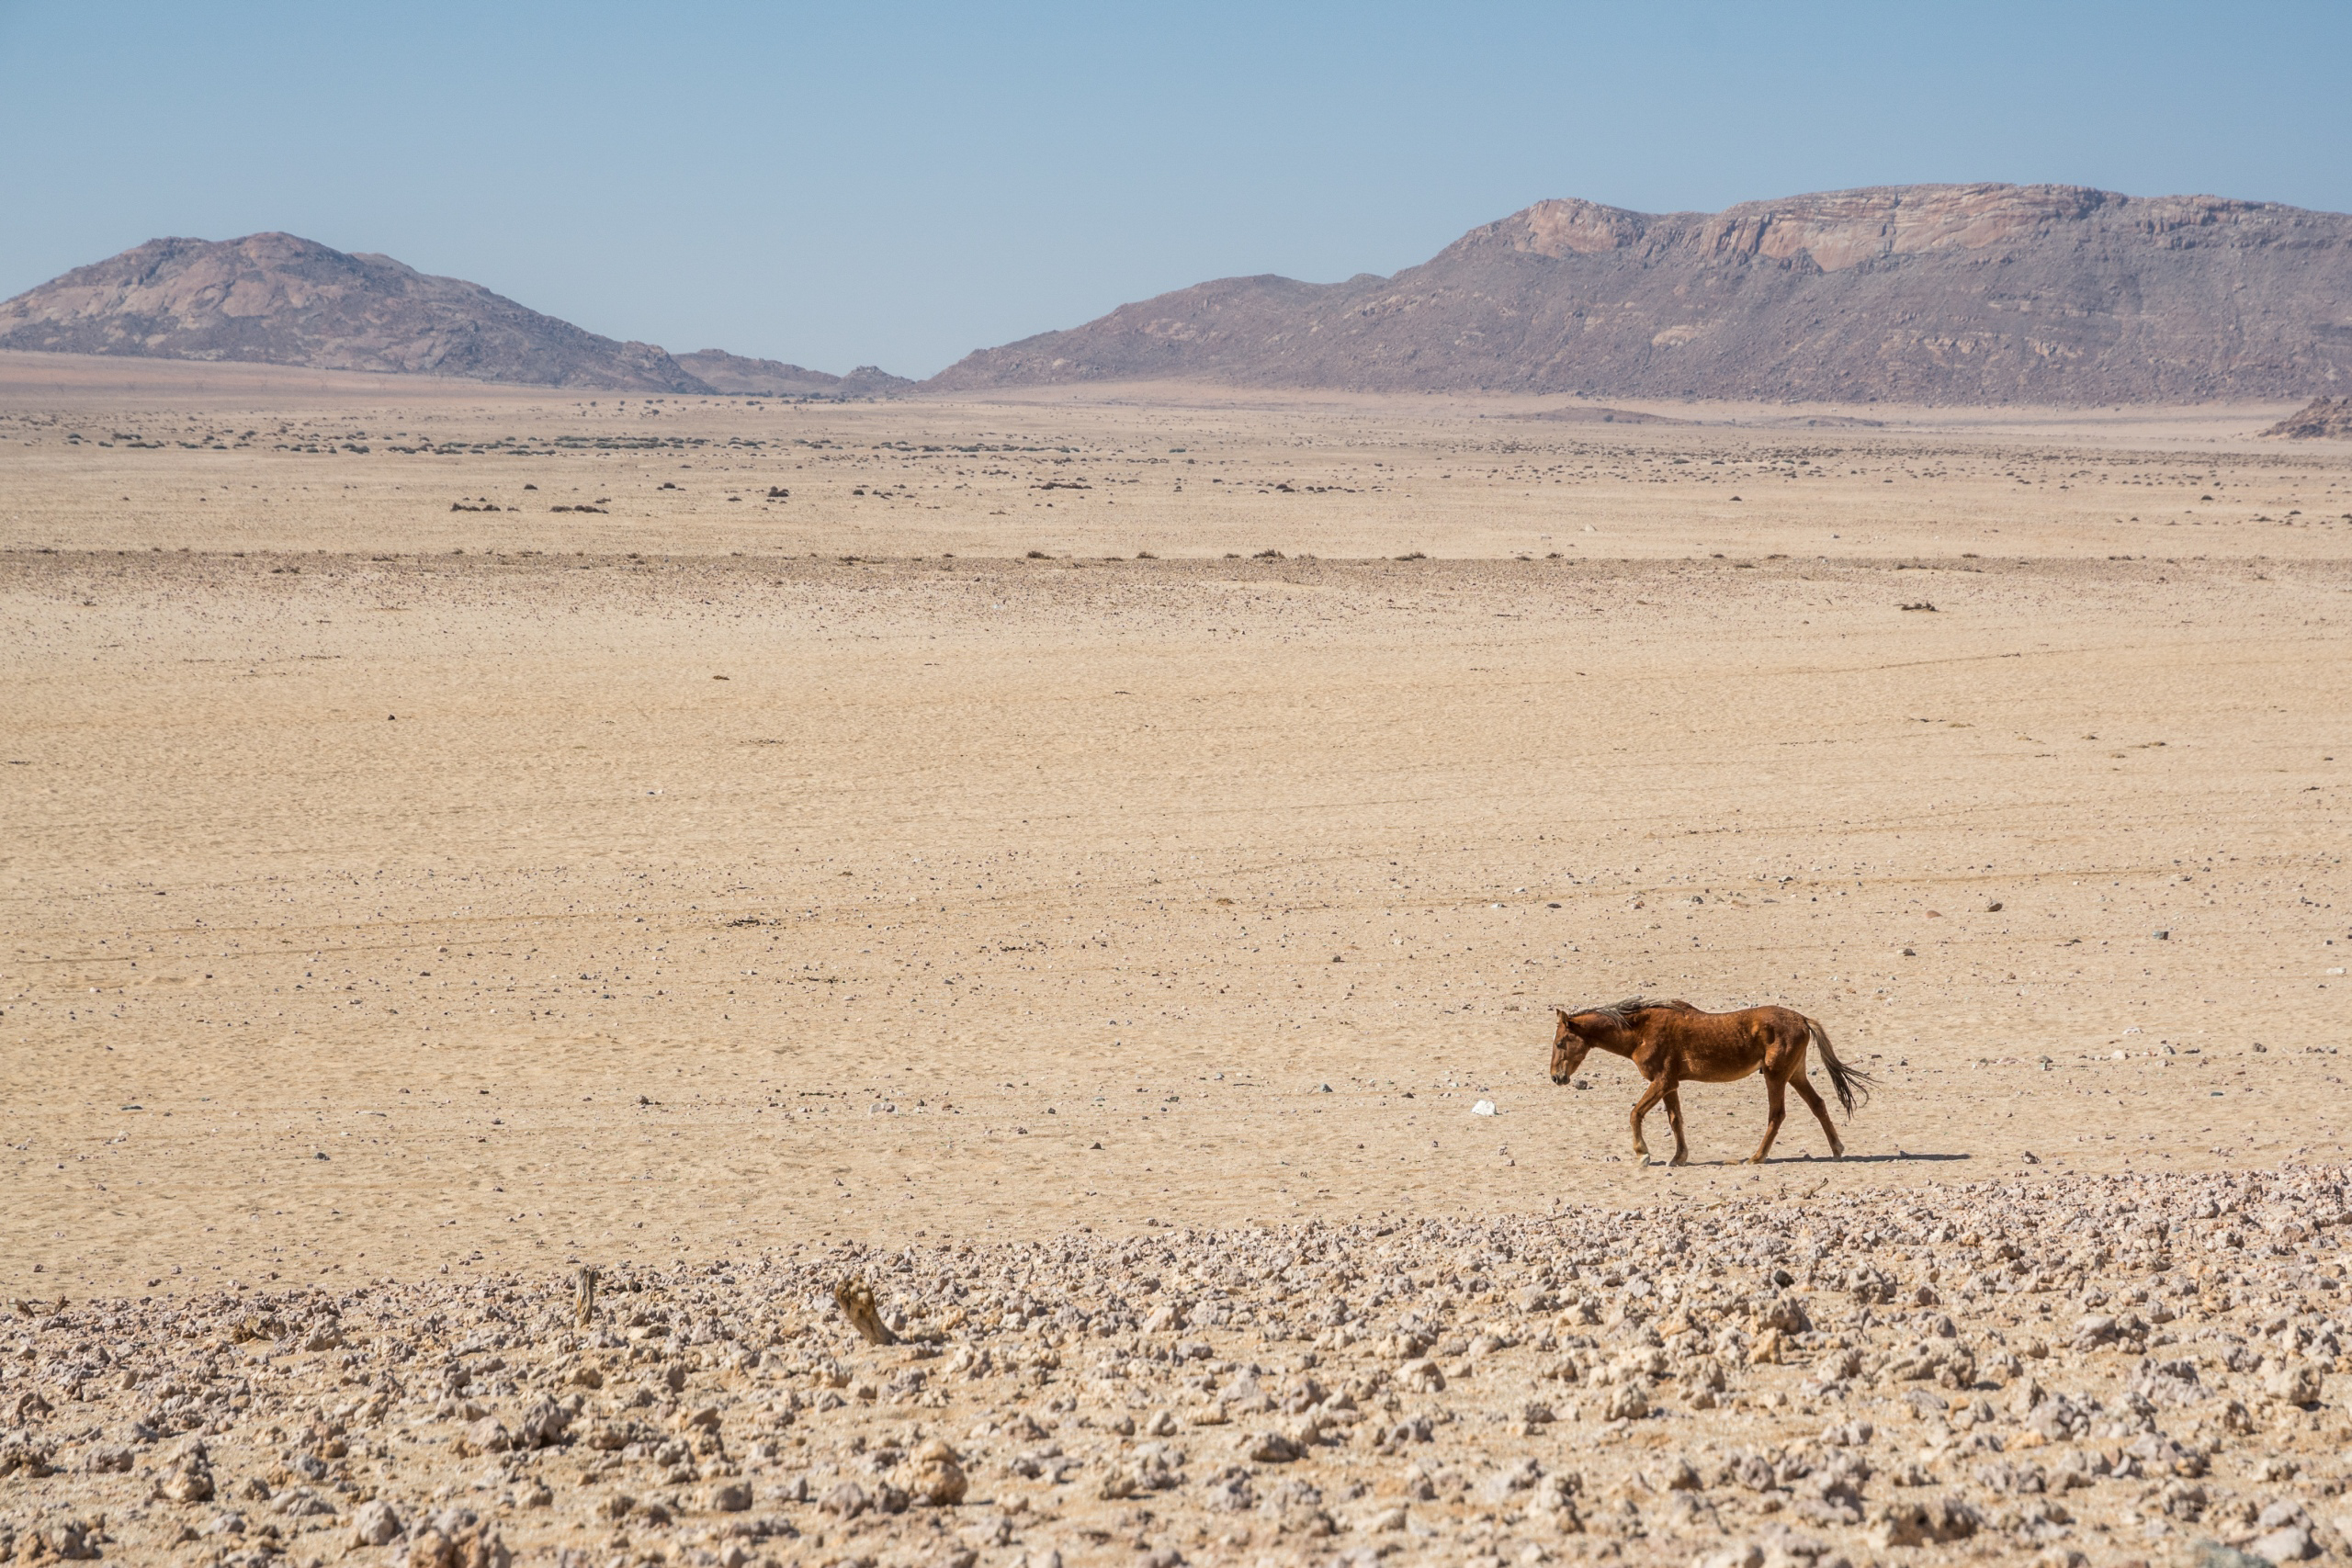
x: 1568, y: 1047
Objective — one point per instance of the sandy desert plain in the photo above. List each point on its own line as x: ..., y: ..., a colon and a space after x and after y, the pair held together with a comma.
x: 1077, y: 862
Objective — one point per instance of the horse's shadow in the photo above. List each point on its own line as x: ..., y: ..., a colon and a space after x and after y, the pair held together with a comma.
x: 1903, y: 1158
x: 1906, y: 1157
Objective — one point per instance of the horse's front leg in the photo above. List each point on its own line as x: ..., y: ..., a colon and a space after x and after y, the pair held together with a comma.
x: 1650, y: 1096
x: 1674, y: 1120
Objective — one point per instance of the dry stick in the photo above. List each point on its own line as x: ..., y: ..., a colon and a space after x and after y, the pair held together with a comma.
x: 583, y: 1297
x: 856, y: 1300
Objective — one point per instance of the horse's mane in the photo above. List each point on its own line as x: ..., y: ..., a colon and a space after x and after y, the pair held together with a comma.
x: 1615, y: 1011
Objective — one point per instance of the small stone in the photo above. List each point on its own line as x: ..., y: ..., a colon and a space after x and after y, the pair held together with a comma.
x: 1269, y: 1448
x: 1422, y: 1377
x: 302, y: 1503
x: 1747, y: 1555
x: 70, y: 1539
x: 189, y: 1483
x: 543, y: 1425
x: 939, y: 1479
x: 2095, y: 1330
x: 374, y: 1523
x: 1919, y: 1524
x: 2298, y: 1384
x: 486, y: 1436
x: 2213, y: 1554
x: 2291, y: 1543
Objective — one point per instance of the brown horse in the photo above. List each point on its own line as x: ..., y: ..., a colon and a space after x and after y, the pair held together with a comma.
x: 1672, y: 1043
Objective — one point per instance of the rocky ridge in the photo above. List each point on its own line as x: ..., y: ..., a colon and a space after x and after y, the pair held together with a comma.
x: 2321, y: 419
x: 1925, y: 294
x: 280, y: 300
x: 735, y: 374
x: 2061, y: 1371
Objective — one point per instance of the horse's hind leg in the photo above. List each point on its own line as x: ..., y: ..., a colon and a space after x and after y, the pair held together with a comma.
x: 1812, y: 1097
x: 1650, y: 1096
x: 1674, y: 1120
x: 1776, y: 1100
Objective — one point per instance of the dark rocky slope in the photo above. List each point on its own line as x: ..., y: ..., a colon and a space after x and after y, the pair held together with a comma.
x: 280, y: 300
x: 734, y: 373
x: 1933, y: 293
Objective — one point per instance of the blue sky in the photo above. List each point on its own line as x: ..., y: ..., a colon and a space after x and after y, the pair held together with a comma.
x: 901, y: 184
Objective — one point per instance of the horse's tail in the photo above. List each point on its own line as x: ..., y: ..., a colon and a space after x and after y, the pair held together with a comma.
x: 1846, y: 1080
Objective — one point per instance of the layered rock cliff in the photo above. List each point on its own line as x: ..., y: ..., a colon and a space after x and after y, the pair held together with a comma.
x: 1934, y: 294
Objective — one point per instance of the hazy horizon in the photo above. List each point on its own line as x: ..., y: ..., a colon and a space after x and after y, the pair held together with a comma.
x: 905, y: 185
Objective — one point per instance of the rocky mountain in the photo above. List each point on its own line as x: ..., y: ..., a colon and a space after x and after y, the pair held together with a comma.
x: 280, y: 300
x: 1932, y: 294
x: 2322, y: 418
x: 732, y: 373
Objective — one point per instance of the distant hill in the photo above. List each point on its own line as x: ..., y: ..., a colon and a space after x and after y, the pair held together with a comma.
x: 2322, y: 418
x: 732, y: 373
x: 1929, y: 294
x: 281, y: 299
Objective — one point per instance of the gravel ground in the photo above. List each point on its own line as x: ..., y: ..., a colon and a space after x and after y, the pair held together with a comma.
x: 2057, y: 1369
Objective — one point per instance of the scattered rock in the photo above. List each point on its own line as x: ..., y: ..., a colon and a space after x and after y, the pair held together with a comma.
x: 1477, y: 1358
x: 2321, y: 419
x: 1270, y: 1447
x: 939, y: 1478
x: 1421, y: 1377
x: 375, y: 1523
x: 191, y: 1481
x: 486, y: 1436
x: 543, y: 1425
x: 1923, y: 1523
x: 2296, y: 1383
